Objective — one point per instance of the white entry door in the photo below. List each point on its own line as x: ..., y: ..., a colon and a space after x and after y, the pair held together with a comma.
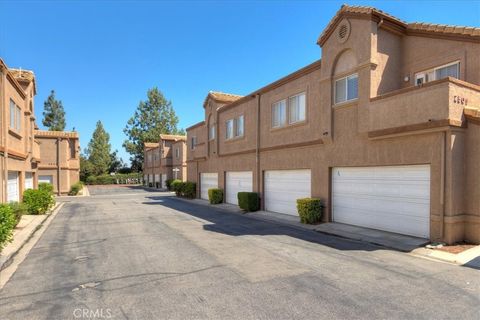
x: 390, y: 198
x: 236, y: 182
x: 13, y: 191
x: 164, y: 180
x: 207, y: 181
x: 284, y: 187
x: 28, y: 180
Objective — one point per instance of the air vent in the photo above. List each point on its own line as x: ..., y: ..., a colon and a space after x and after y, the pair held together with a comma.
x: 342, y: 31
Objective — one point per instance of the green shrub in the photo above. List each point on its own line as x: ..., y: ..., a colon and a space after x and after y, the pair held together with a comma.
x: 177, y: 186
x: 19, y: 209
x: 91, y: 180
x: 130, y: 178
x: 248, y: 201
x: 38, y: 201
x: 75, y: 188
x: 215, y: 195
x: 46, y: 186
x: 169, y: 184
x: 310, y: 210
x: 7, y: 223
x: 189, y: 189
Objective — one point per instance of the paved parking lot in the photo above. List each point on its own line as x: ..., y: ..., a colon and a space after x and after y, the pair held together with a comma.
x: 127, y: 253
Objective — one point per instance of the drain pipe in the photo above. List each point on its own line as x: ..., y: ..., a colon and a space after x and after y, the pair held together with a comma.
x: 443, y: 184
x: 58, y: 166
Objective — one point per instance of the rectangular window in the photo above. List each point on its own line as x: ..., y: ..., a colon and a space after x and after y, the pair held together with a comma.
x: 229, y: 129
x: 193, y: 142
x: 279, y: 114
x: 72, y: 149
x: 211, y: 133
x: 12, y: 114
x: 239, y: 127
x: 346, y: 88
x: 449, y: 70
x: 296, y: 106
x: 177, y: 153
x: 19, y: 119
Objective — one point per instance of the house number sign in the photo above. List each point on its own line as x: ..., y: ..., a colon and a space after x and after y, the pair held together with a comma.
x: 460, y: 100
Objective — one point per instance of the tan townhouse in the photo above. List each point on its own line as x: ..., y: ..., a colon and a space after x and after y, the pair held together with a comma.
x: 60, y: 159
x: 165, y: 160
x: 385, y: 129
x: 19, y: 152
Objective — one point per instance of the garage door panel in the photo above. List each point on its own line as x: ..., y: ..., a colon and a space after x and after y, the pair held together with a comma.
x: 284, y: 187
x: 239, y: 181
x: 393, y: 198
x: 207, y: 181
x: 13, y: 191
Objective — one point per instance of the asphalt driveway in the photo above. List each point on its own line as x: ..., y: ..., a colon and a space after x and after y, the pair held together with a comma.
x: 127, y: 253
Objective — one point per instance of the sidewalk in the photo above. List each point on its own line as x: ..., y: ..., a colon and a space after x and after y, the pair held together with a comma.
x: 22, y: 233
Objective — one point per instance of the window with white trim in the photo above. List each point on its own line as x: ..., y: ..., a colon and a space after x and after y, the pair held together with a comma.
x: 296, y: 107
x: 279, y: 114
x: 239, y: 126
x: 193, y: 142
x: 177, y: 153
x: 15, y: 116
x: 437, y: 73
x: 229, y: 129
x: 346, y: 88
x: 12, y: 114
x: 211, y: 133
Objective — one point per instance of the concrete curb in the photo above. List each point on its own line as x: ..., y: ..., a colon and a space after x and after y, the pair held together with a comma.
x: 461, y: 258
x: 22, y: 238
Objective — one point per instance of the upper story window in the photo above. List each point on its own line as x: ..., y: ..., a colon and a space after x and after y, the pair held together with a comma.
x: 149, y: 158
x: 239, y: 126
x: 229, y: 129
x: 346, y: 88
x: 211, y: 133
x: 177, y: 153
x: 448, y: 70
x: 193, y: 142
x: 15, y: 116
x: 296, y: 107
x: 291, y: 110
x: 279, y: 113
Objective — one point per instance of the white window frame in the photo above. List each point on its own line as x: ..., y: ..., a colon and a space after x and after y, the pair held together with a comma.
x: 289, y: 108
x: 431, y: 74
x: 237, y: 121
x: 275, y: 108
x: 211, y: 132
x: 229, y: 129
x: 177, y: 153
x: 352, y: 75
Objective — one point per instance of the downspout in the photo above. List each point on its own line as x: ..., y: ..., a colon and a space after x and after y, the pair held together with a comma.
x: 58, y: 166
x: 443, y: 184
x: 257, y: 148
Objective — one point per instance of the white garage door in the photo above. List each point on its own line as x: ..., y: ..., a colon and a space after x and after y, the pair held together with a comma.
x: 28, y: 180
x: 207, y: 181
x: 157, y: 180
x: 150, y: 178
x: 284, y: 187
x: 164, y: 180
x: 395, y: 199
x: 237, y: 182
x: 13, y: 192
x: 45, y: 179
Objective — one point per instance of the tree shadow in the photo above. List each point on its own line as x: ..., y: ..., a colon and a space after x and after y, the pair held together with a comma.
x: 236, y: 224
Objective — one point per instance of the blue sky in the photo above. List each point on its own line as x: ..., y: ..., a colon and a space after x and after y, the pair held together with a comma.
x: 102, y: 56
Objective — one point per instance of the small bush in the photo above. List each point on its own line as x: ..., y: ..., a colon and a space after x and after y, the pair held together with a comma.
x: 248, y: 201
x: 7, y: 223
x: 215, y: 195
x: 19, y: 209
x: 38, y: 201
x: 75, y: 188
x: 169, y: 184
x: 310, y: 210
x: 177, y: 186
x: 46, y: 186
x: 189, y: 189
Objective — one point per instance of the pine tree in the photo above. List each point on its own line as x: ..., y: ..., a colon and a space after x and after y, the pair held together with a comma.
x: 99, y: 150
x: 151, y: 118
x: 53, y: 114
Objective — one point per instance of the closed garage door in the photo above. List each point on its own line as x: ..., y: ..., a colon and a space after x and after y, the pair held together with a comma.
x: 284, y: 187
x: 164, y: 180
x: 237, y: 182
x: 13, y: 192
x: 28, y: 180
x: 157, y: 181
x: 395, y: 199
x: 207, y: 181
x: 45, y: 179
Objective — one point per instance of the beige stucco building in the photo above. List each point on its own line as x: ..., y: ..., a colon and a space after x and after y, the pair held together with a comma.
x: 165, y: 160
x: 385, y: 129
x: 59, y: 159
x: 29, y: 156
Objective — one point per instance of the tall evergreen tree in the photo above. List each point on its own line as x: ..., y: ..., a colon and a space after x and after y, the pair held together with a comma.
x: 98, y: 150
x: 53, y: 113
x: 151, y: 118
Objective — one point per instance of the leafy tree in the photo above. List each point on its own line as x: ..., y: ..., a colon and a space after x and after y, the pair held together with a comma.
x: 151, y: 118
x: 86, y: 168
x: 99, y: 150
x: 116, y: 163
x: 53, y: 113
